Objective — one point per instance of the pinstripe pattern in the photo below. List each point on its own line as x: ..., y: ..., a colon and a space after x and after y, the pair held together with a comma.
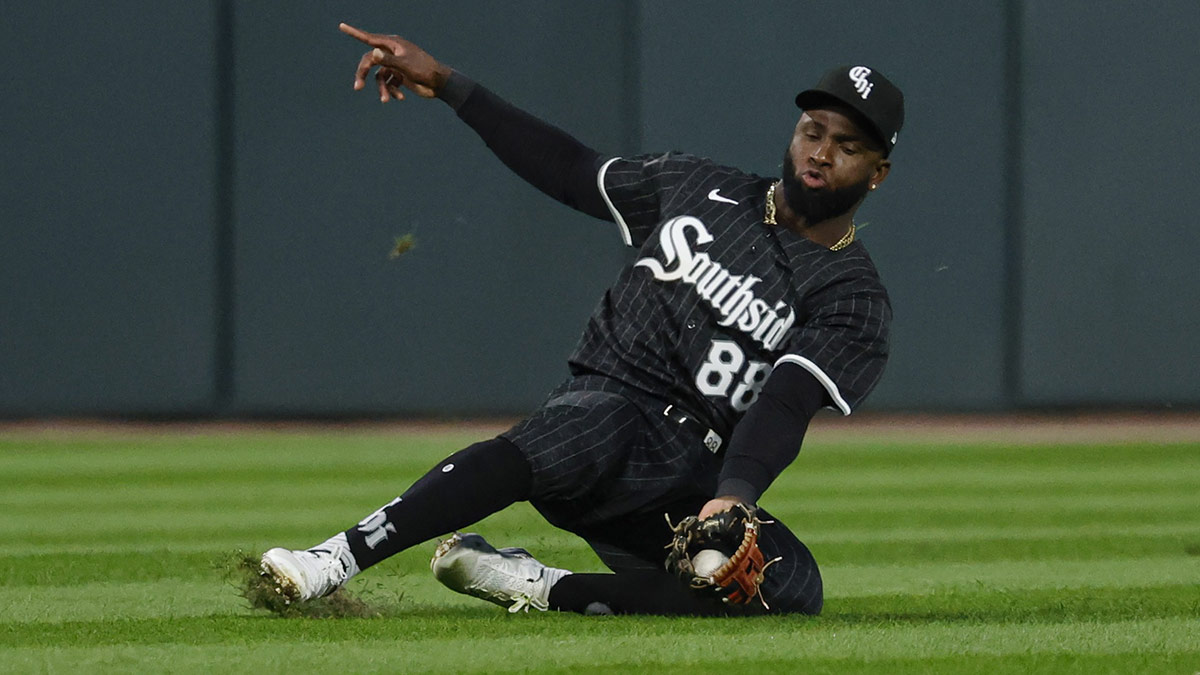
x: 793, y: 584
x: 606, y: 464
x: 656, y: 335
x: 600, y: 451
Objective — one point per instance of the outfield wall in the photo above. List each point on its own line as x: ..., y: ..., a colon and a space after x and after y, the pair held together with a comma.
x: 198, y: 208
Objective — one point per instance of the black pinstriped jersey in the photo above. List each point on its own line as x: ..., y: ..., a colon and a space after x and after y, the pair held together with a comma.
x: 717, y: 298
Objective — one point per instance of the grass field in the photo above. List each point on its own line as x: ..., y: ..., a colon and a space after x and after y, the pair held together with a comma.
x: 943, y: 557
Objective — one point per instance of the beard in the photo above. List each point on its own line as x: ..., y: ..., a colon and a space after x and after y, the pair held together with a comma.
x: 816, y: 205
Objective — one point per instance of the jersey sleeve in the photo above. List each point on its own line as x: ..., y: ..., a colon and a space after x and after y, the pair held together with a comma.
x: 634, y: 188
x: 547, y: 157
x: 844, y: 345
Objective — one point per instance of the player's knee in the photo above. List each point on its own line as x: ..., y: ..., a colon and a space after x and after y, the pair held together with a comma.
x: 811, y: 604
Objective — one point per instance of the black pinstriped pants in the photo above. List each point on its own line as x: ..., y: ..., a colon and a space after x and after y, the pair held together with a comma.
x: 607, y: 465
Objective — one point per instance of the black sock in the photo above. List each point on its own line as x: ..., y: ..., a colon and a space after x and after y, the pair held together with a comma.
x: 464, y: 488
x: 640, y: 592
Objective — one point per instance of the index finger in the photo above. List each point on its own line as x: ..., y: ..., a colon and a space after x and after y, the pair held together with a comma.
x: 361, y: 35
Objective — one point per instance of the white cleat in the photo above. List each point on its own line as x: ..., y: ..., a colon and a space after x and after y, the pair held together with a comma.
x: 509, y: 577
x: 303, y: 575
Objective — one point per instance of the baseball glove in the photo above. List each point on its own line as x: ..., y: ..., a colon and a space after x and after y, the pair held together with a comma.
x: 734, y: 533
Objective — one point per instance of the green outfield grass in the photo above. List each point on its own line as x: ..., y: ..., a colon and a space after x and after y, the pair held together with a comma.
x: 115, y: 555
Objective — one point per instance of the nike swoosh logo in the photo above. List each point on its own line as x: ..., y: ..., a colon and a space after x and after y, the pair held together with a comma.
x: 718, y: 198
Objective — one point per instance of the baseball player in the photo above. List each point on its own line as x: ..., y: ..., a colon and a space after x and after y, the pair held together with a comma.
x: 750, y: 306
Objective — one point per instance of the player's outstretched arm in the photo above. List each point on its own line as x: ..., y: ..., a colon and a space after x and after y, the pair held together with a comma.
x: 548, y: 158
x: 401, y: 64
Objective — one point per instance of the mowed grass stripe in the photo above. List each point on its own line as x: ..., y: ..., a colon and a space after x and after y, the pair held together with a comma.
x: 190, y: 597
x: 848, y: 580
x: 419, y: 621
x: 1029, y: 605
x: 227, y: 449
x: 1007, y: 664
x: 1132, y: 500
x: 164, y: 519
x: 878, y: 512
x: 283, y: 488
x: 237, y: 454
x: 83, y: 564
x: 877, y: 544
x: 242, y: 528
x: 518, y: 524
x: 818, y: 530
x: 620, y: 650
x: 25, y: 501
x: 192, y: 463
x: 988, y: 550
x: 850, y: 482
x: 174, y: 598
x: 921, y: 550
x: 936, y: 478
x: 187, y: 466
x: 1188, y: 527
x: 806, y: 517
x: 219, y: 448
x: 808, y: 480
x: 77, y: 568
x: 108, y: 601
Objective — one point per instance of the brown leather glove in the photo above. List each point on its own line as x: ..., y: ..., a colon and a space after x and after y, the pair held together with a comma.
x: 735, y: 534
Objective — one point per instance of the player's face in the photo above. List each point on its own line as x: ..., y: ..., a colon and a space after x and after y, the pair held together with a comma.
x: 830, y: 165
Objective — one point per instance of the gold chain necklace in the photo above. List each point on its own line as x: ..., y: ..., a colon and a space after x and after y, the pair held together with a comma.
x: 845, y: 240
x: 769, y: 219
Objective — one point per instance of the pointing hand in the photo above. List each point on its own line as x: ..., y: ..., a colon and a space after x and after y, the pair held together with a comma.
x: 401, y: 64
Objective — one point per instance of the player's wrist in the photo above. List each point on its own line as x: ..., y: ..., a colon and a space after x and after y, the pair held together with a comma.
x: 456, y: 89
x: 736, y: 488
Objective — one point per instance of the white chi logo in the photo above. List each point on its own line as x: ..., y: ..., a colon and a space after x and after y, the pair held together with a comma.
x: 858, y: 75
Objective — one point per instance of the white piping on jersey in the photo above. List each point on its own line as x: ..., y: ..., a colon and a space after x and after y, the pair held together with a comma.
x: 625, y: 236
x: 824, y: 379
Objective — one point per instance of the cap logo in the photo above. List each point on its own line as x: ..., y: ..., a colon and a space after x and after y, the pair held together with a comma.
x: 858, y: 75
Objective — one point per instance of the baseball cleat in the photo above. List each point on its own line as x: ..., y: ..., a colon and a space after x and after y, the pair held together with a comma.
x: 303, y: 575
x: 509, y: 577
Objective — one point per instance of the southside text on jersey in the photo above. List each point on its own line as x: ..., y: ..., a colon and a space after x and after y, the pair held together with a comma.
x: 729, y: 294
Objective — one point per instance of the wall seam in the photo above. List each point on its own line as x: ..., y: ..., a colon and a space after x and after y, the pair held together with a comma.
x: 223, y: 371
x: 1013, y: 203
x: 632, y: 77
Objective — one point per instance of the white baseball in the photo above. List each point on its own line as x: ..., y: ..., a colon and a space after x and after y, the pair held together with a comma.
x: 708, y: 561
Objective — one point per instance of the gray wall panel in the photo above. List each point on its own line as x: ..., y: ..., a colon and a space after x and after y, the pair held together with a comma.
x: 106, y: 288
x: 1110, y: 202
x: 481, y: 315
x: 719, y: 81
x: 113, y: 210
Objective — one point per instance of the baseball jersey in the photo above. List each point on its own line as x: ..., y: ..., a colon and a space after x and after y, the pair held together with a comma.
x: 717, y: 298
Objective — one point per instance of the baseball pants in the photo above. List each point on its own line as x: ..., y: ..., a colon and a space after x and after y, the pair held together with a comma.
x: 609, y: 466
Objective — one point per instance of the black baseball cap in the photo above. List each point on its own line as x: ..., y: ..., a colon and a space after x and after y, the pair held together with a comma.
x: 867, y: 92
